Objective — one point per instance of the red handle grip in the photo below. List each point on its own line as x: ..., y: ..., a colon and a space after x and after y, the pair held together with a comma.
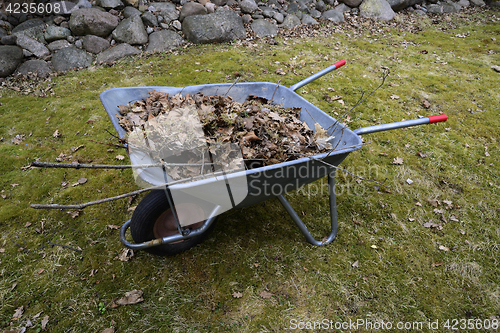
x: 340, y: 63
x: 438, y: 118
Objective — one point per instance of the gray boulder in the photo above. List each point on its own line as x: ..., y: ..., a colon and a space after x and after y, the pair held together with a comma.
x: 293, y: 8
x: 308, y: 20
x: 32, y: 28
x: 320, y: 5
x: 119, y: 51
x: 3, y: 32
x: 9, y: 40
x: 478, y: 3
x: 53, y: 32
x: 435, y: 9
x: 464, y: 3
x: 352, y: 3
x: 33, y: 46
x: 398, y: 5
x: 161, y: 6
x: 291, y: 21
x: 149, y: 19
x: 95, y: 44
x: 91, y: 21
x: 164, y: 40
x: 10, y: 57
x: 169, y: 15
x: 333, y: 15
x: 248, y: 6
x: 219, y: 27
x: 40, y: 67
x: 131, y: 31
x: 110, y: 4
x: 133, y: 3
x: 58, y: 44
x: 279, y: 17
x: 376, y: 9
x: 70, y: 58
x: 342, y: 8
x: 451, y: 7
x: 131, y: 11
x: 219, y: 3
x: 264, y: 28
x: 192, y: 8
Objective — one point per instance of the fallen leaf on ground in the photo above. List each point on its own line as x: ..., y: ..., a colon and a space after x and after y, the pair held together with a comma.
x: 2, y: 250
x: 237, y: 295
x: 14, y: 185
x: 411, y: 219
x: 113, y: 226
x: 45, y: 321
x: 131, y: 209
x: 56, y: 134
x: 431, y: 224
x: 436, y: 264
x: 74, y: 213
x: 394, y: 97
x: 18, y: 139
x: 82, y: 180
x: 418, y: 204
x: 374, y: 247
x: 41, y: 271
x: 409, y: 181
x: 454, y: 218
x: 125, y: 254
x: 355, y: 264
x: 426, y: 104
x: 397, y: 161
x: 423, y: 155
x: 266, y: 294
x: 18, y: 313
x: 444, y: 248
x: 433, y: 202
x: 27, y: 224
x: 109, y: 330
x: 496, y: 68
x: 120, y: 157
x: 131, y: 297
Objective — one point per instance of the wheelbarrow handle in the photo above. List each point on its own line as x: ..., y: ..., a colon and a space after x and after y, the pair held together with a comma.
x: 401, y: 124
x: 318, y: 75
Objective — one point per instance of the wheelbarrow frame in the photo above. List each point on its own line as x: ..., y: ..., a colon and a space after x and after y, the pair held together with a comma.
x: 346, y: 141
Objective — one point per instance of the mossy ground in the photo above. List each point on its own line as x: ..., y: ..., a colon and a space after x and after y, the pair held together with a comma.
x: 406, y: 278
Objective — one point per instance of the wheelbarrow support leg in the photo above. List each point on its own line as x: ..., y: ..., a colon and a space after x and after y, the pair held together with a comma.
x: 333, y: 215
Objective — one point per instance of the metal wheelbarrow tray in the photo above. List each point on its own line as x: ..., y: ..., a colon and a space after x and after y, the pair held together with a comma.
x: 260, y: 183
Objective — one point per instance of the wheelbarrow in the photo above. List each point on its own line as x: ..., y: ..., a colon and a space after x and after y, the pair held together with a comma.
x: 156, y: 224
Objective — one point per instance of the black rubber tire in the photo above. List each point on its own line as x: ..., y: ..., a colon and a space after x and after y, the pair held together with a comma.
x: 148, y: 210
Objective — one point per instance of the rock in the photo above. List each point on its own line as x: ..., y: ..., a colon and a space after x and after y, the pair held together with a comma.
x: 451, y: 7
x: 31, y: 28
x: 177, y: 25
x: 3, y: 32
x: 246, y: 18
x: 59, y: 19
x: 79, y: 44
x: 9, y: 40
x: 40, y: 67
x: 163, y: 6
x: 169, y: 15
x: 398, y: 5
x: 291, y: 21
x: 377, y: 9
x: 91, y: 21
x: 279, y: 17
x: 477, y: 3
x: 131, y: 31
x: 110, y: 4
x: 219, y: 3
x: 210, y: 7
x: 268, y: 12
x: 53, y: 32
x: 352, y: 3
x: 203, y: 2
x: 293, y: 8
x: 248, y: 6
x: 464, y: 3
x: 95, y: 44
x: 435, y: 9
x: 419, y: 12
x: 10, y: 58
x: 70, y: 58
x: 308, y: 20
x: 84, y: 4
x: 264, y: 28
x: 495, y: 4
x: 119, y: 51
x: 149, y: 19
x: 131, y: 11
x: 333, y: 15
x: 133, y: 3
x: 164, y: 40
x: 256, y: 16
x: 342, y: 8
x: 32, y: 45
x: 321, y: 6
x: 58, y: 44
x: 192, y: 8
x: 219, y: 27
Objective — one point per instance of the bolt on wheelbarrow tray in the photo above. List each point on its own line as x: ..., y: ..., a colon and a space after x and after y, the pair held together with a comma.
x: 204, y: 199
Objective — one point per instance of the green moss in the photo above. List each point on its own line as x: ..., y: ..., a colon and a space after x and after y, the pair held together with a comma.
x: 255, y: 249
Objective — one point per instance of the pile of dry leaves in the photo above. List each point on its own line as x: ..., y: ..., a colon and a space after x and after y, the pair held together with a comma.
x: 192, y: 129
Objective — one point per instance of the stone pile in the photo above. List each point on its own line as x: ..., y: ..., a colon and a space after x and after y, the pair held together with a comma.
x: 106, y: 30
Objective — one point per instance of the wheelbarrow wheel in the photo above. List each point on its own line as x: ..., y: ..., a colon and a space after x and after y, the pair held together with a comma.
x: 153, y: 219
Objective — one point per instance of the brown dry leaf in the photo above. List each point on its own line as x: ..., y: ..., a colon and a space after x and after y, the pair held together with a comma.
x: 423, y: 155
x: 27, y: 224
x: 82, y: 180
x: 113, y: 226
x: 18, y: 139
x: 411, y: 219
x: 444, y: 248
x: 120, y: 157
x: 131, y: 297
x: 397, y: 161
x: 131, y: 209
x: 109, y: 330
x: 41, y: 270
x: 454, y: 218
x: 45, y: 321
x: 355, y: 264
x: 125, y: 254
x: 14, y: 185
x: 426, y: 104
x: 56, y: 134
x: 2, y: 250
x: 438, y: 211
x: 18, y: 313
x: 394, y: 97
x: 266, y: 295
x: 237, y: 295
x: 74, y: 213
x: 384, y: 154
x: 433, y: 202
x: 436, y: 264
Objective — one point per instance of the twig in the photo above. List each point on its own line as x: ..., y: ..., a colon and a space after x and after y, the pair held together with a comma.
x: 277, y: 86
x: 107, y: 166
x: 227, y: 92
x: 105, y: 143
